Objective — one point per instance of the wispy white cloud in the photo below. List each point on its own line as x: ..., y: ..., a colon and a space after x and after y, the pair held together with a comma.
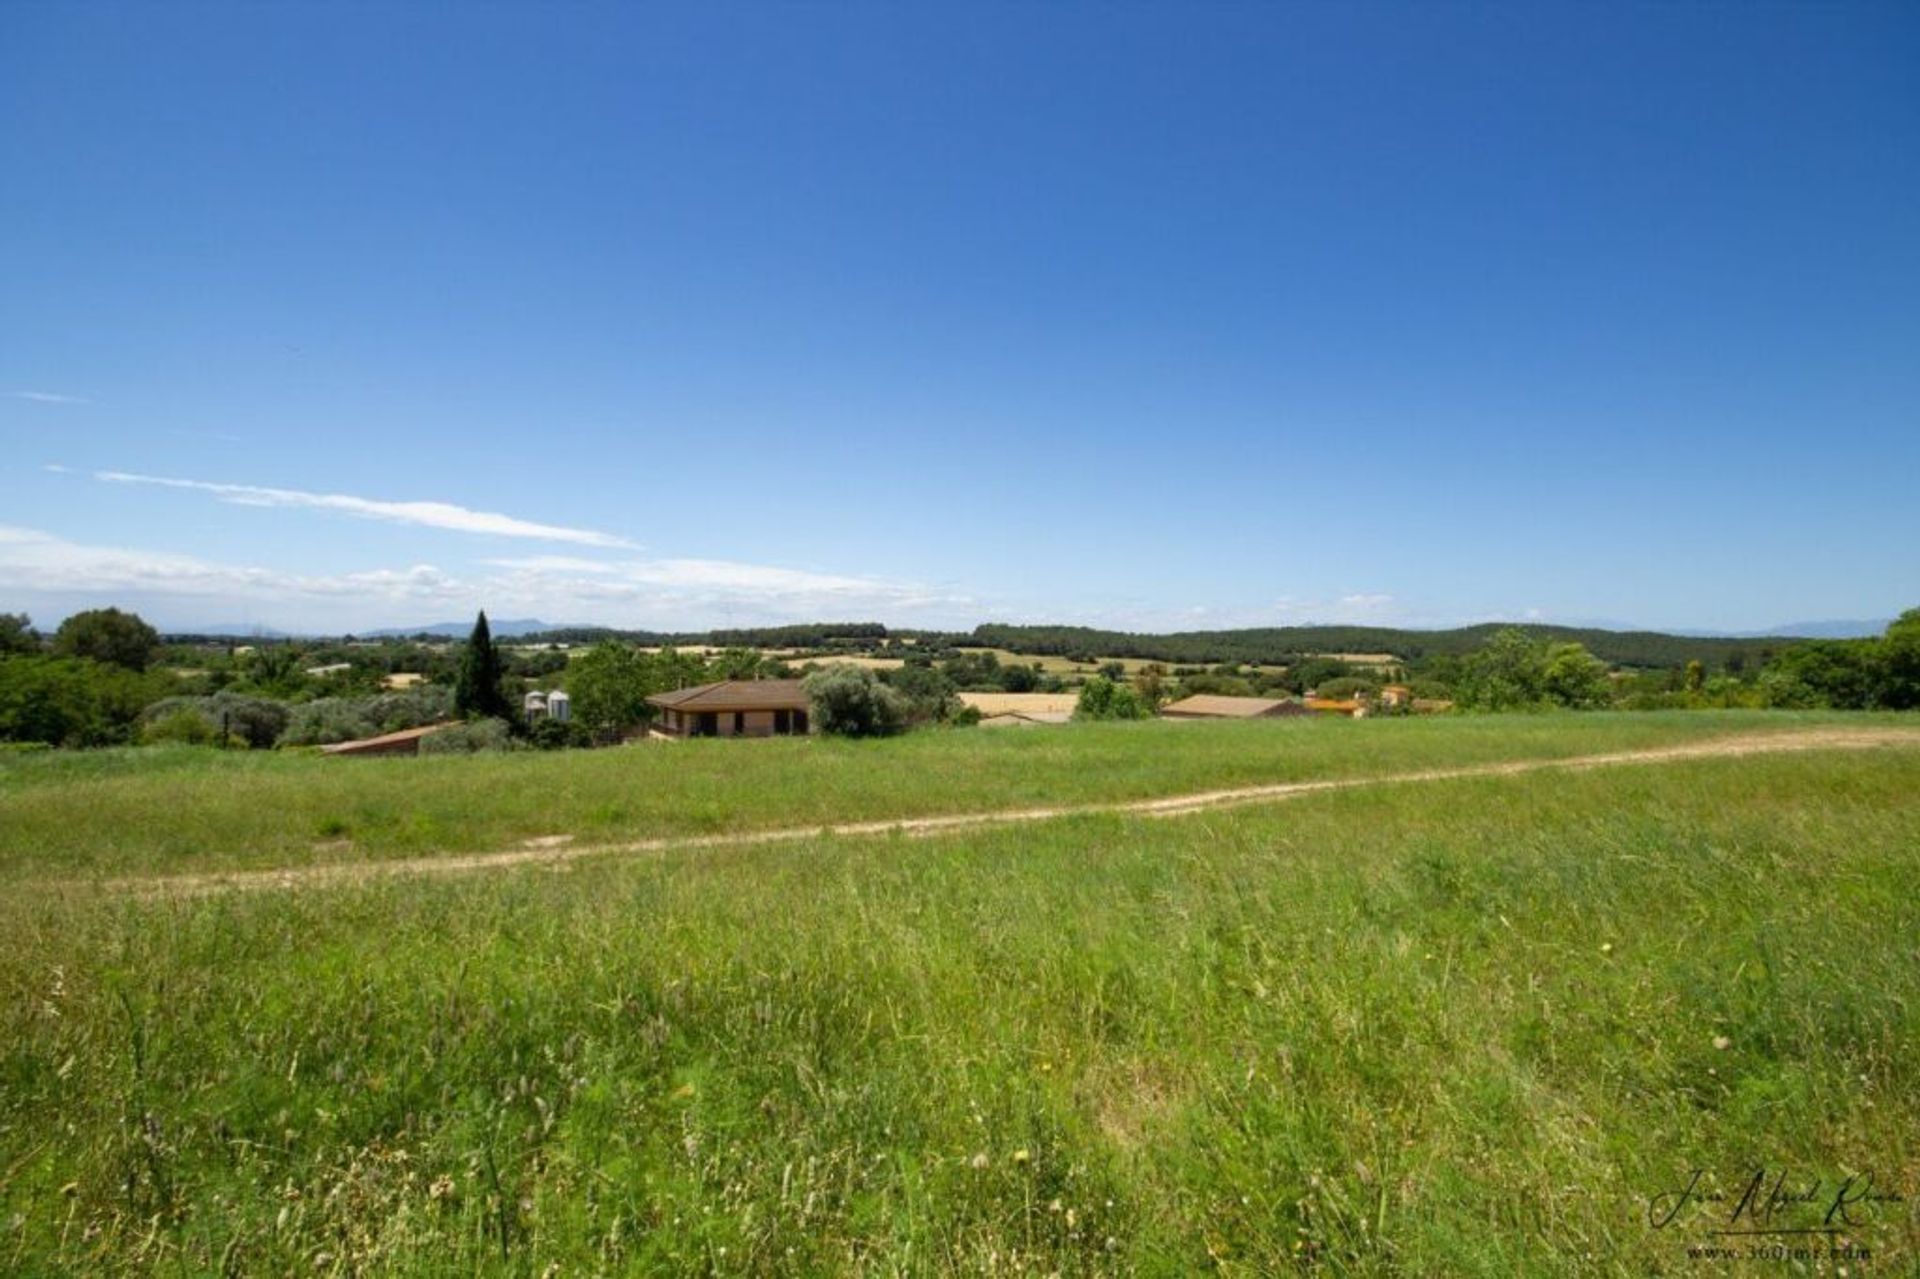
x: 665, y: 594
x: 48, y: 397
x: 442, y: 515
x: 32, y: 560
x: 712, y: 587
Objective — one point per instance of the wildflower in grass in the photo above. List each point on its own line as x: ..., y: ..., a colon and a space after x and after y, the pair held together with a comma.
x: 1722, y: 1042
x: 979, y: 1160
x: 1021, y: 1156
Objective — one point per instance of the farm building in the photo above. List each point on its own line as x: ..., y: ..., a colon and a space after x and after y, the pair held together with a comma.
x: 735, y: 708
x: 1216, y: 706
x: 404, y: 742
x: 1346, y: 707
x: 554, y: 705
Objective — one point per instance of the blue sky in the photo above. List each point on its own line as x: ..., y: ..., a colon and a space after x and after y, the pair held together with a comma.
x: 1155, y: 317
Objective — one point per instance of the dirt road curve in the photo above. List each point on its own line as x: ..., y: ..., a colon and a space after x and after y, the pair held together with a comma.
x: 552, y: 851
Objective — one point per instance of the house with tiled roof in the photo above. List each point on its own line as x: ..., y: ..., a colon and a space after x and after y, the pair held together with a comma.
x: 735, y: 708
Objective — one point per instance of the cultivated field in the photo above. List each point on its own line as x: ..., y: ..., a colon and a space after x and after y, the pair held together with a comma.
x: 1027, y: 703
x: 1419, y: 997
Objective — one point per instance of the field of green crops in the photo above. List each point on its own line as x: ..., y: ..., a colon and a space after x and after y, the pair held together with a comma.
x: 1491, y: 1025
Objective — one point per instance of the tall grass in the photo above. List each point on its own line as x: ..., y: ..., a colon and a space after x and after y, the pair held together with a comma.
x: 1466, y: 1028
x: 184, y: 809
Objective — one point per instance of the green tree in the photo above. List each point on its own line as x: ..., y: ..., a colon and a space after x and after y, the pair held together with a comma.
x: 928, y: 693
x: 477, y: 693
x: 849, y: 702
x: 1151, y: 683
x: 17, y: 634
x: 1101, y: 698
x: 1346, y: 686
x: 609, y: 684
x: 1018, y: 679
x: 673, y: 669
x: 1506, y: 674
x: 736, y: 663
x: 70, y: 701
x: 1900, y: 663
x: 1572, y: 677
x: 1842, y: 674
x: 108, y: 635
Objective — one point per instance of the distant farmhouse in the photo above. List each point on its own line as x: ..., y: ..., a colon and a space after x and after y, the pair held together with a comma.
x: 735, y: 708
x: 1217, y: 706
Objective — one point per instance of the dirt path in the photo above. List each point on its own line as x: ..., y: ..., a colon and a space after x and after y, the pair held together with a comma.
x: 555, y: 850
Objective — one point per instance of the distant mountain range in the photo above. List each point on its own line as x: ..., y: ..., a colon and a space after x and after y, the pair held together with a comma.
x: 1823, y: 630
x: 506, y: 627
x: 238, y: 630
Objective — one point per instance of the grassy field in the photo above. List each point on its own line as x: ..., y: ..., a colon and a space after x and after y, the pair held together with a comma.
x: 1456, y: 1027
x: 143, y: 811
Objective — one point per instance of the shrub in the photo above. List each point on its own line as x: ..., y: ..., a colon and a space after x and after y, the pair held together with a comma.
x: 345, y: 719
x: 1349, y: 686
x: 849, y: 702
x: 469, y: 738
x: 1101, y: 698
x: 181, y: 725
x: 254, y: 721
x: 327, y: 720
x: 413, y: 708
x: 556, y: 734
x: 928, y: 694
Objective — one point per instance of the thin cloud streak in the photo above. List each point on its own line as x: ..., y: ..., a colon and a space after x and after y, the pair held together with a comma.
x: 48, y: 397
x: 441, y: 515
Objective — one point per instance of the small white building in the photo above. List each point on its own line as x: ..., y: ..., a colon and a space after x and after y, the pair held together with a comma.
x: 559, y: 706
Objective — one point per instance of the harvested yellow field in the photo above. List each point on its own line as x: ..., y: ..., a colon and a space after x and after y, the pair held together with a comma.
x: 1362, y: 659
x: 1021, y: 703
x: 865, y: 663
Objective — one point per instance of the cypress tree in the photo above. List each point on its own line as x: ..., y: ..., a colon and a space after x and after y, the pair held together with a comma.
x: 476, y: 685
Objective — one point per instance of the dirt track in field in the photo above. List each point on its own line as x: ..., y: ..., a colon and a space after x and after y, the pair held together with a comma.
x: 554, y: 850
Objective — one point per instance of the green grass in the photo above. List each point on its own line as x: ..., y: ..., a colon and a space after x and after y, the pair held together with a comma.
x: 154, y: 810
x: 1466, y: 1027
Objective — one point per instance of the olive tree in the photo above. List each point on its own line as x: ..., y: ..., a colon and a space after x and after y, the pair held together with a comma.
x: 849, y: 702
